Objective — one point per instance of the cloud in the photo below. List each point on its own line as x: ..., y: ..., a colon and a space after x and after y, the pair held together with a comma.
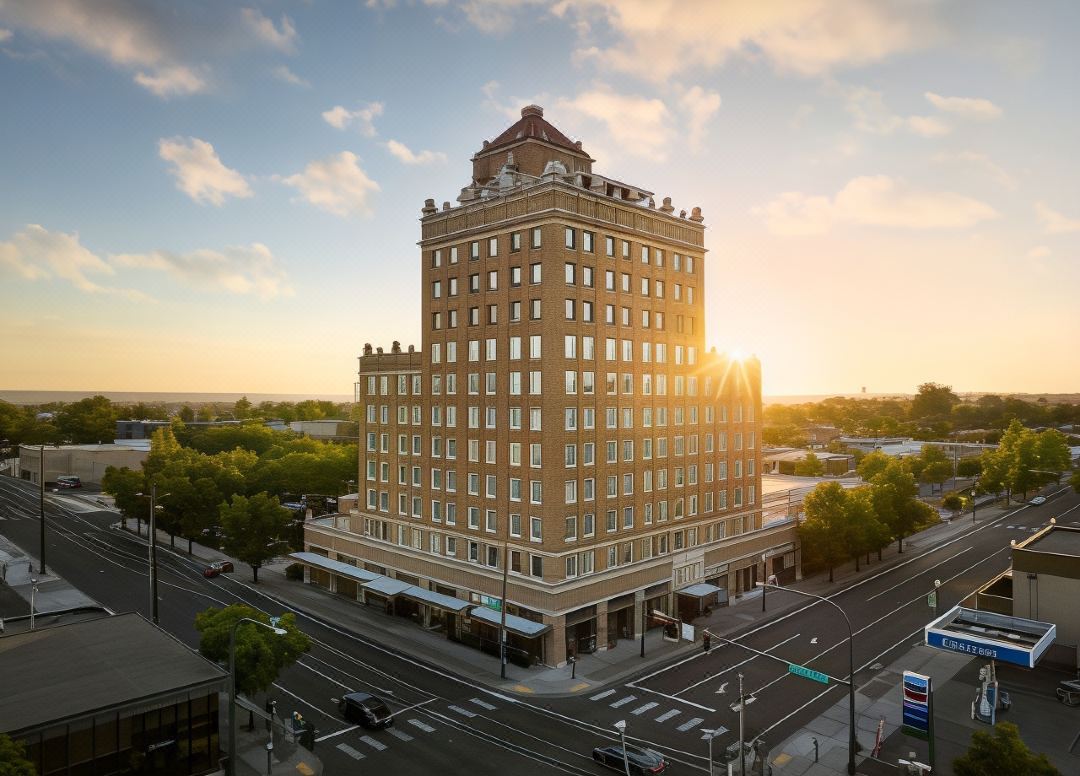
x: 166, y: 82
x: 1038, y: 252
x: 336, y: 184
x: 283, y: 73
x: 982, y: 162
x: 341, y: 117
x: 867, y: 106
x: 968, y: 107
x: 872, y: 201
x: 699, y: 106
x: 407, y: 156
x: 199, y: 172
x: 242, y: 270
x: 640, y: 126
x: 658, y: 39
x: 927, y: 126
x: 131, y: 35
x: 35, y: 253
x: 5, y: 35
x: 265, y: 30
x: 1054, y: 222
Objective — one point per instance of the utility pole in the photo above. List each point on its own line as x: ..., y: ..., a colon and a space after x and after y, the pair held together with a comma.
x: 41, y: 508
x: 153, y: 555
x: 740, y: 707
x: 502, y: 605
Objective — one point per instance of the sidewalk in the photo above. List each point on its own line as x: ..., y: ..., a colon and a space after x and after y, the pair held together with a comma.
x: 18, y: 575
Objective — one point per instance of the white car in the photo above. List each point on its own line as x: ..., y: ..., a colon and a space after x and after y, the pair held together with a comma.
x: 1037, y: 500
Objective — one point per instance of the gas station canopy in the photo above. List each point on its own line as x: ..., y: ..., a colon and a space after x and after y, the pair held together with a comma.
x: 996, y: 636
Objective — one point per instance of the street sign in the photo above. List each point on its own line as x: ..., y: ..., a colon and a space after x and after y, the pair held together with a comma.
x: 931, y: 599
x: 808, y: 673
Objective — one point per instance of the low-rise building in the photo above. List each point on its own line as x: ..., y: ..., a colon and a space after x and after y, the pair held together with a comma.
x: 87, y: 462
x: 110, y: 695
x: 783, y: 460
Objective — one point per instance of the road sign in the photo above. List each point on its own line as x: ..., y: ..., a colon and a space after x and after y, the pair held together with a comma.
x: 807, y: 673
x: 931, y: 599
x: 916, y: 715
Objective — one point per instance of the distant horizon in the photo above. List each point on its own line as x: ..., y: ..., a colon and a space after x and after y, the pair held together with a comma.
x: 34, y: 397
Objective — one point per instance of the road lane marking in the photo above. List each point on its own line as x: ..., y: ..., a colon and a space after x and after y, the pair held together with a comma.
x: 462, y: 712
x: 731, y: 668
x: 644, y: 708
x: 421, y: 725
x: 378, y: 746
x: 668, y: 715
x: 603, y: 694
x: 399, y: 734
x: 351, y: 752
x: 690, y: 723
x: 482, y: 704
x: 336, y: 733
x: 931, y: 568
x: 714, y: 733
x: 623, y: 701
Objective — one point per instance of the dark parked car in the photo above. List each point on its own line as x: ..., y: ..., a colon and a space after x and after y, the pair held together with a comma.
x: 641, y: 761
x: 218, y: 567
x: 365, y: 709
x: 68, y: 481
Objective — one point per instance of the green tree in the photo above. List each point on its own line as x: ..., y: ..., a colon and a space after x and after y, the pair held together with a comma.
x: 865, y: 532
x: 261, y: 654
x: 872, y: 464
x: 13, y: 760
x: 933, y: 401
x: 896, y: 502
x: 256, y: 529
x: 242, y: 408
x: 937, y: 467
x: 810, y: 466
x: 186, y: 414
x: 89, y: 420
x: 953, y: 502
x: 1053, y: 452
x: 1001, y: 752
x: 968, y: 467
x: 126, y: 486
x: 825, y: 534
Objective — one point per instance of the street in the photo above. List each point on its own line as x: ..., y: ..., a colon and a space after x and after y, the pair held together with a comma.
x: 452, y: 724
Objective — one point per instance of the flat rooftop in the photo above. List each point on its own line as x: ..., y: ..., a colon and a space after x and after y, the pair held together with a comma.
x: 1058, y: 540
x: 70, y: 671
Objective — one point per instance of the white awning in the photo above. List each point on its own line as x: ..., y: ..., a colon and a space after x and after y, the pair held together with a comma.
x: 514, y: 624
x: 700, y: 590
x: 334, y: 566
x: 431, y: 598
x: 386, y: 586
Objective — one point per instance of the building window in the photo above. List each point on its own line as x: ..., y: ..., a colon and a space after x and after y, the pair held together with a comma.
x: 534, y: 273
x: 474, y: 250
x: 570, y: 240
x: 493, y: 246
x: 515, y: 242
x: 536, y: 237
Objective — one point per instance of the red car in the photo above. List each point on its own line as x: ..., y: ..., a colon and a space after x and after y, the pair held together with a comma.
x: 218, y: 567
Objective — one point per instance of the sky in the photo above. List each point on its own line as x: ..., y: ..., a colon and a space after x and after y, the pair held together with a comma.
x: 218, y: 196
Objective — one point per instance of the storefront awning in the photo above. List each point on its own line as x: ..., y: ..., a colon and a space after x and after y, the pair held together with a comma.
x: 334, y: 566
x: 514, y: 624
x: 431, y: 598
x: 386, y: 586
x: 700, y: 590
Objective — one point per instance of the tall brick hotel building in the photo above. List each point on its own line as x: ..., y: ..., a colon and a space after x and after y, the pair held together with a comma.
x: 562, y: 416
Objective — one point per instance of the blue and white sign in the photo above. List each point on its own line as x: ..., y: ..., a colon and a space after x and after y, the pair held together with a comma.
x: 991, y: 636
x: 916, y: 719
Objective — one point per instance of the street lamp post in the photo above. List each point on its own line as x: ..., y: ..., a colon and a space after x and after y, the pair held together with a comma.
x: 502, y: 605
x: 152, y: 558
x: 852, y: 741
x: 711, y: 734
x: 232, y: 685
x: 621, y: 727
x: 973, y: 505
x: 33, y: 597
x: 739, y: 707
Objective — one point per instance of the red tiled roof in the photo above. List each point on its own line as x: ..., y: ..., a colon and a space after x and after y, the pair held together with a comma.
x: 532, y: 124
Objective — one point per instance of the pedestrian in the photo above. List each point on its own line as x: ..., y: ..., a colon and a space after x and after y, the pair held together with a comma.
x: 706, y: 640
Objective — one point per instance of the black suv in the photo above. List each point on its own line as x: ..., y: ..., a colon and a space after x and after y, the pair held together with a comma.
x: 365, y: 709
x: 641, y: 761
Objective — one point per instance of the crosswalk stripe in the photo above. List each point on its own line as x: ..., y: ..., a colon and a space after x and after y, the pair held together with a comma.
x: 623, y: 701
x: 691, y: 723
x: 668, y: 715
x: 483, y: 704
x: 462, y: 712
x: 718, y: 732
x: 643, y: 709
x: 399, y: 734
x: 351, y: 752
x: 604, y: 694
x: 421, y: 725
x: 378, y: 746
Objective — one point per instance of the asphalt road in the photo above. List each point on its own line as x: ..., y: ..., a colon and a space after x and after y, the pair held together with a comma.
x: 450, y: 724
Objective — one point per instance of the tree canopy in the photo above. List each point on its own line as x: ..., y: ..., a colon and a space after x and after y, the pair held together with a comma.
x: 810, y: 466
x: 13, y: 760
x: 261, y: 655
x: 256, y: 529
x: 1024, y: 460
x: 1001, y: 752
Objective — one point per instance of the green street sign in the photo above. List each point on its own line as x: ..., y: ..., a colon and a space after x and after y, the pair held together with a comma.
x: 808, y: 673
x: 931, y: 600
